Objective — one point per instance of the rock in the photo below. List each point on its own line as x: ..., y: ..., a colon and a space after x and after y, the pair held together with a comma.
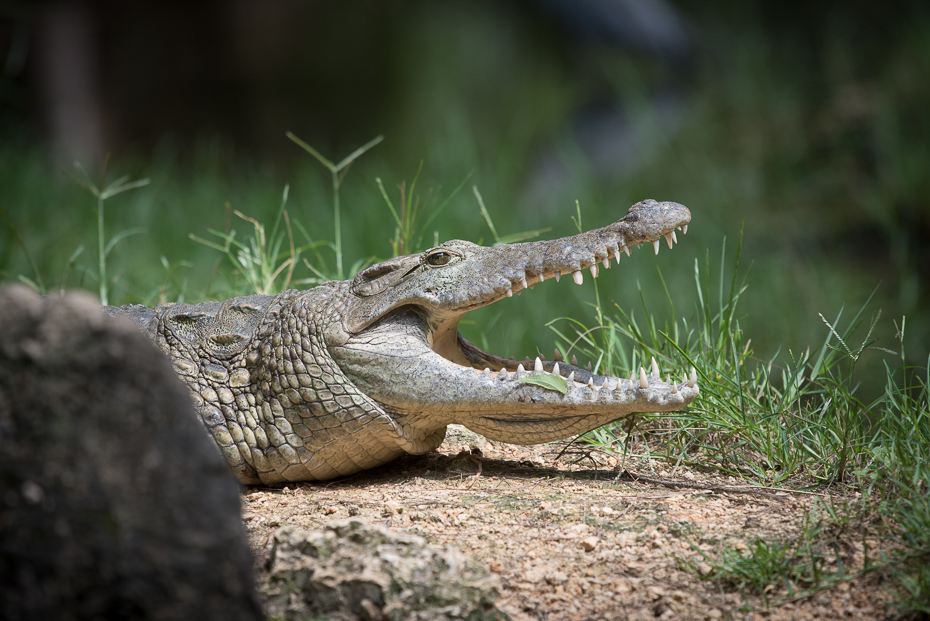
x: 114, y: 502
x: 354, y: 570
x: 545, y: 572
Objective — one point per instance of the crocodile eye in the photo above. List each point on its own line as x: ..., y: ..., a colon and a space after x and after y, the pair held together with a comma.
x: 439, y: 258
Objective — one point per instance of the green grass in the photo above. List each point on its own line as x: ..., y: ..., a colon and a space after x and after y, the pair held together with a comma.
x: 796, y: 421
x: 101, y: 192
x: 811, y: 562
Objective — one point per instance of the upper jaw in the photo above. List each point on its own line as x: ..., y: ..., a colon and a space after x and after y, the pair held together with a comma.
x: 482, y: 275
x: 647, y: 222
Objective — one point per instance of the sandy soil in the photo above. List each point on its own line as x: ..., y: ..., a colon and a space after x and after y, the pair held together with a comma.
x: 572, y: 540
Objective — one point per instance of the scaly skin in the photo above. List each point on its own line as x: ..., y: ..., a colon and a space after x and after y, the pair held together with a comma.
x: 311, y: 385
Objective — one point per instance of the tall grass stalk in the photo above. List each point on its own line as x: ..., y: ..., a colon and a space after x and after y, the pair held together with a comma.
x: 101, y: 191
x: 337, y: 173
x: 408, y: 233
x: 37, y: 283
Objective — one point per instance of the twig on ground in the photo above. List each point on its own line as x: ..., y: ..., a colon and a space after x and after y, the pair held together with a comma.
x: 689, y: 485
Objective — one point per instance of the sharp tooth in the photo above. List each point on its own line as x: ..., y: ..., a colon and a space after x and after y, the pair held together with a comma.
x: 578, y: 276
x: 674, y: 237
x: 555, y: 369
x: 594, y: 270
x: 541, y: 276
x: 557, y: 355
x: 523, y: 282
x: 503, y: 373
x: 684, y: 378
x: 655, y: 368
x: 571, y: 377
x: 538, y: 364
x: 509, y: 293
x: 643, y: 382
x: 626, y: 249
x: 574, y: 361
x: 606, y: 263
x: 684, y: 229
x: 632, y: 376
x: 693, y: 379
x: 674, y: 389
x: 520, y: 369
x: 487, y: 370
x: 557, y: 276
x: 589, y: 366
x: 668, y: 378
x: 668, y: 238
x: 655, y: 245
x: 542, y: 357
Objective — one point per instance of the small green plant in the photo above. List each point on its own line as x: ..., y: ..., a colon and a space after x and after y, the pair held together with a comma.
x: 36, y: 282
x: 267, y: 260
x: 338, y: 173
x: 261, y: 260
x: 782, y: 571
x: 408, y: 233
x: 103, y: 191
x: 914, y: 588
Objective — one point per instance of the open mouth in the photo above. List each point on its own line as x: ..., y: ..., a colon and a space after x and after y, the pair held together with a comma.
x: 404, y: 350
x: 446, y: 341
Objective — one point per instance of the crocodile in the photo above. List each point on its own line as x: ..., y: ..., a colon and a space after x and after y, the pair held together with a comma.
x: 349, y: 375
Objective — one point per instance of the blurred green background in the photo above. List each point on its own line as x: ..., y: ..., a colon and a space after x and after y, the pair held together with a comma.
x: 802, y: 125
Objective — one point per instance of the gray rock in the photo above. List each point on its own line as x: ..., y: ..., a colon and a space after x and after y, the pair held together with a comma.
x: 114, y: 502
x: 354, y: 570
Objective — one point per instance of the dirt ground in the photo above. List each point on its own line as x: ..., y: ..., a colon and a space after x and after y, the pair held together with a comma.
x: 570, y: 540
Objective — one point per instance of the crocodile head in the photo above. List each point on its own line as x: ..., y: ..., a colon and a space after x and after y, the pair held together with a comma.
x: 398, y: 342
